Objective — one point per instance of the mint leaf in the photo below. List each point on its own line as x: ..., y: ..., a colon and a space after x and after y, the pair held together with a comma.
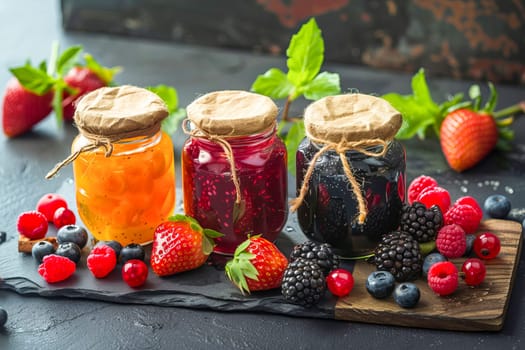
x: 274, y: 84
x: 305, y: 54
x: 67, y: 59
x: 33, y: 79
x: 169, y: 95
x: 104, y: 73
x: 325, y: 84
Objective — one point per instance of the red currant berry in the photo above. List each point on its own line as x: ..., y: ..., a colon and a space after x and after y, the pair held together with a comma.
x: 486, y: 246
x: 474, y: 271
x: 135, y: 272
x: 340, y: 282
x: 63, y: 217
x: 49, y: 203
x: 32, y: 224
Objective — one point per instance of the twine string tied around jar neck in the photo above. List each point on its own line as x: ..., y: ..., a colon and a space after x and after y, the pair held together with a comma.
x: 362, y: 146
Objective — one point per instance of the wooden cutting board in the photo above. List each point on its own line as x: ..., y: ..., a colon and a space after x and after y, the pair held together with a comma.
x: 481, y: 308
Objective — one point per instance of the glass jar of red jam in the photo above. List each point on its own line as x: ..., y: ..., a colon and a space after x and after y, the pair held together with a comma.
x: 234, y: 169
x: 123, y: 164
x: 356, y: 186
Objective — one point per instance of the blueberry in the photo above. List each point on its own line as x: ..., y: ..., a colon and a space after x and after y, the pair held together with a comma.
x: 132, y: 251
x: 407, y: 295
x: 3, y: 237
x: 430, y: 260
x: 516, y: 214
x: 117, y: 247
x: 69, y: 250
x: 3, y: 317
x: 42, y: 249
x: 470, y: 241
x: 380, y: 284
x: 73, y: 233
x: 497, y: 206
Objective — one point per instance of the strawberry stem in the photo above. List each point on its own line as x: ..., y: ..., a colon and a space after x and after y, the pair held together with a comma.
x: 51, y: 69
x: 518, y: 108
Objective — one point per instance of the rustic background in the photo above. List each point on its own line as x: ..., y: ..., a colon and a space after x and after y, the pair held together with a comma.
x: 463, y: 39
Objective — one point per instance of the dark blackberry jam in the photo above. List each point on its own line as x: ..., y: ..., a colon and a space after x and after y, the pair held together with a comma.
x: 329, y: 210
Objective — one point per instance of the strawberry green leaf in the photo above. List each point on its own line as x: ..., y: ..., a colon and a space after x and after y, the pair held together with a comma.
x: 305, y: 54
x: 104, y: 73
x: 33, y: 79
x: 67, y: 59
x: 324, y: 84
x: 274, y: 84
x: 493, y: 99
x: 194, y: 224
x: 474, y: 93
x: 43, y: 66
x: 212, y: 233
x: 240, y: 267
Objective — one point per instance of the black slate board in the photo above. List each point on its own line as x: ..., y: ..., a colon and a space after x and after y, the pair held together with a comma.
x: 203, y: 288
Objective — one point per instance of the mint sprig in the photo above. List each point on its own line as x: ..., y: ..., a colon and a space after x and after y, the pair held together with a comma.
x: 169, y: 95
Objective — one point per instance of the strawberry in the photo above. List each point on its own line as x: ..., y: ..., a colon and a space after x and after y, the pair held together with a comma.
x: 257, y: 264
x: 180, y: 244
x: 22, y: 108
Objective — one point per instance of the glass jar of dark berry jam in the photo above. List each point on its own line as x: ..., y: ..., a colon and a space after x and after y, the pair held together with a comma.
x: 350, y: 173
x: 234, y: 169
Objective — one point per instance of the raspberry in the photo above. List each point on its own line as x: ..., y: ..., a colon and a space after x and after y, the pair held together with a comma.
x: 473, y: 203
x: 101, y: 260
x: 55, y: 268
x: 435, y: 196
x: 32, y: 224
x: 443, y: 278
x: 451, y: 241
x: 418, y: 185
x: 463, y: 215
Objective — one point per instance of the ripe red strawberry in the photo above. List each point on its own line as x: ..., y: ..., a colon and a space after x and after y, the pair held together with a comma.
x: 257, y: 264
x: 180, y: 244
x: 467, y: 137
x: 22, y: 109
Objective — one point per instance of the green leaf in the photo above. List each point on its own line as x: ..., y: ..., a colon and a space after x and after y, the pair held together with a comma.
x: 325, y: 84
x: 212, y: 233
x: 169, y: 95
x: 493, y: 99
x: 420, y: 89
x: 305, y: 54
x: 67, y: 59
x: 295, y: 134
x: 104, y: 73
x: 274, y: 84
x: 474, y: 93
x: 33, y: 79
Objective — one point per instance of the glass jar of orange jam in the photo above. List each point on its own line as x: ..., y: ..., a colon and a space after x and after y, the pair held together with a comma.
x: 124, y: 167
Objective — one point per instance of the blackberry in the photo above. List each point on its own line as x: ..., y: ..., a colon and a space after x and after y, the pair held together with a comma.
x: 398, y: 253
x: 320, y: 253
x: 303, y: 283
x: 422, y: 223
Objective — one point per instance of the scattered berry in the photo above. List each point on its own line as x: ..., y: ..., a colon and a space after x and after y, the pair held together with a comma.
x: 55, y: 268
x: 399, y: 253
x: 41, y: 249
x: 473, y: 203
x: 320, y: 253
x: 419, y: 184
x: 497, y: 206
x: 516, y: 214
x: 63, y: 217
x: 430, y: 260
x: 69, y: 250
x: 135, y: 272
x: 117, y: 247
x: 101, y: 261
x: 407, y: 295
x: 486, y: 246
x: 435, y: 196
x: 451, y: 241
x: 340, y: 282
x: 32, y: 224
x: 132, y: 251
x: 422, y: 223
x: 303, y: 283
x: 73, y: 233
x: 474, y: 271
x: 470, y: 243
x: 443, y: 278
x: 3, y: 317
x: 463, y: 215
x: 49, y: 203
x: 380, y: 284
x: 3, y: 236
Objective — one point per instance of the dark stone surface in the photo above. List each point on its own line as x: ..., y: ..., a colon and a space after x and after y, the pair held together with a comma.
x: 63, y: 323
x: 476, y: 39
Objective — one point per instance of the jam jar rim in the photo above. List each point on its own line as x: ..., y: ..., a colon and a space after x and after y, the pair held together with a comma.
x: 144, y: 141
x: 240, y: 141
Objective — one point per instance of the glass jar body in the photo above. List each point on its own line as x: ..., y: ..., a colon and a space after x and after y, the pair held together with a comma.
x: 210, y: 195
x: 330, y: 210
x: 125, y: 196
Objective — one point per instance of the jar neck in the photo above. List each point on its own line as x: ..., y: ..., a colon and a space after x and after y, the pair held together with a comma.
x: 242, y: 141
x: 123, y: 146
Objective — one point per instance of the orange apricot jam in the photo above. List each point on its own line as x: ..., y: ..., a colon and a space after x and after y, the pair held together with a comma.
x: 125, y: 196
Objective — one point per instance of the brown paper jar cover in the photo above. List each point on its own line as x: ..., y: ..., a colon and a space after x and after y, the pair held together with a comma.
x: 232, y: 113
x: 352, y: 118
x: 119, y: 111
